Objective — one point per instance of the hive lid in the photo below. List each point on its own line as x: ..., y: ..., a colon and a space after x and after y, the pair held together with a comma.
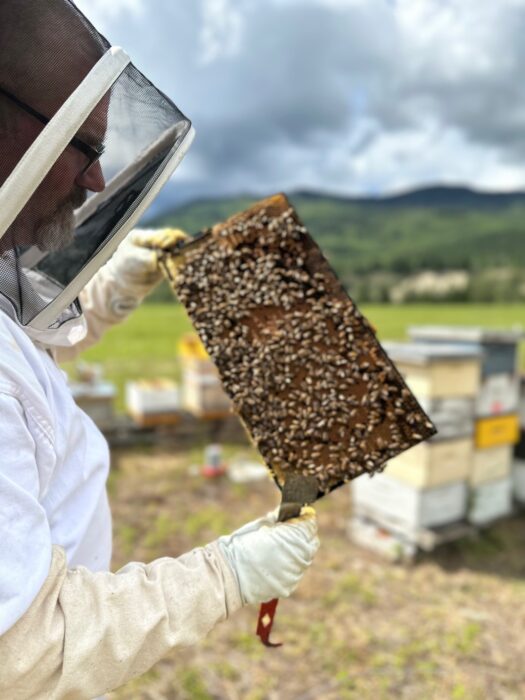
x: 425, y: 353
x: 467, y: 334
x: 101, y: 390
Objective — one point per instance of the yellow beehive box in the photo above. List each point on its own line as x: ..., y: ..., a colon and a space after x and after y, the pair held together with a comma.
x: 434, y: 371
x: 502, y: 430
x: 443, y: 379
x: 433, y: 463
x: 491, y: 464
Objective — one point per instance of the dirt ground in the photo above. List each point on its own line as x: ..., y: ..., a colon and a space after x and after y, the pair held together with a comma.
x: 451, y: 626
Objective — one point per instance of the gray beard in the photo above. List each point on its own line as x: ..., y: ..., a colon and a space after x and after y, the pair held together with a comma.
x: 57, y: 231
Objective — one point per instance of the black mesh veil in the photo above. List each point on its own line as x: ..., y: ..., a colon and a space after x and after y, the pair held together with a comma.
x: 91, y: 191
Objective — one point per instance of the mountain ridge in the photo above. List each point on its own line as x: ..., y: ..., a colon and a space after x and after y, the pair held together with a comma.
x: 447, y: 195
x: 431, y: 228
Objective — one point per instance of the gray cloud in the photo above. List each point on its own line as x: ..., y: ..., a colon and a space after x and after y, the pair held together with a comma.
x: 350, y: 96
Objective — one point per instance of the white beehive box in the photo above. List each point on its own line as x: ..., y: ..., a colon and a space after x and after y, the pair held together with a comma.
x: 435, y: 370
x: 490, y: 501
x: 491, y: 464
x: 453, y: 417
x: 203, y: 394
x: 404, y: 508
x: 498, y: 394
x: 97, y: 400
x: 518, y: 478
x: 433, y: 463
x: 149, y: 396
x: 368, y: 534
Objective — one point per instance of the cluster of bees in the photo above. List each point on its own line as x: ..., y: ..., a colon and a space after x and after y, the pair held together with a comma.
x: 302, y: 366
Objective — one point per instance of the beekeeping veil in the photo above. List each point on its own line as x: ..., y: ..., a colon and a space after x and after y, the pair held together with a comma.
x: 86, y: 142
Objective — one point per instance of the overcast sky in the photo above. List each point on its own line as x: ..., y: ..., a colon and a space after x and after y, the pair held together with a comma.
x: 347, y: 96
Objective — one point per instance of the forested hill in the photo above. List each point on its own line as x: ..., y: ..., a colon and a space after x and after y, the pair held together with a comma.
x: 435, y: 228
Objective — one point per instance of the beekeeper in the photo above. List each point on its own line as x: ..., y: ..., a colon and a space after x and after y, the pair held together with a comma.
x: 86, y: 141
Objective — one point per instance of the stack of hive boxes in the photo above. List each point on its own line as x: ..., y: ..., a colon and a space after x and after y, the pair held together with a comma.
x: 202, y: 391
x: 519, y: 451
x: 495, y: 411
x: 425, y: 487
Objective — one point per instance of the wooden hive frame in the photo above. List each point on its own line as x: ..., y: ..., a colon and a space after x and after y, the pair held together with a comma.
x: 306, y: 374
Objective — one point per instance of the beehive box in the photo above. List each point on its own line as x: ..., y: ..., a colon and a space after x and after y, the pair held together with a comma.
x: 491, y: 464
x: 453, y: 418
x: 304, y: 369
x: 502, y: 430
x: 204, y: 396
x: 434, y: 463
x: 498, y: 394
x: 437, y: 371
x: 152, y: 401
x: 368, y: 534
x: 194, y: 358
x: 152, y: 396
x: 490, y: 501
x: 498, y: 347
x: 97, y: 400
x: 406, y: 509
x: 518, y: 480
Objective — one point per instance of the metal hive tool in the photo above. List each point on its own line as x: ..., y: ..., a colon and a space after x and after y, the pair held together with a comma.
x: 315, y: 390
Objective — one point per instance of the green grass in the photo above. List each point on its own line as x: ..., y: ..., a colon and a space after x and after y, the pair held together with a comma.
x: 194, y: 685
x: 146, y: 345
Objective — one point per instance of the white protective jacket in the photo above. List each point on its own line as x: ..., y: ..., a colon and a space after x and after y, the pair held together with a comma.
x: 68, y: 628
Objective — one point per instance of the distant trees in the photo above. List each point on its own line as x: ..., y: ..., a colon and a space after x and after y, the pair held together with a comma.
x: 373, y: 245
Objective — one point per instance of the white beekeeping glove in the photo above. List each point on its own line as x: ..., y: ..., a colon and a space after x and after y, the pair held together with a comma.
x: 135, y: 263
x: 269, y: 558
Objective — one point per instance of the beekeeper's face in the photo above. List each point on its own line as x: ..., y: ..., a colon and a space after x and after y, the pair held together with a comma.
x: 47, y: 220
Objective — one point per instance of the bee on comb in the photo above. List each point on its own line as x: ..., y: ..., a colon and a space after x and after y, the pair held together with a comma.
x: 306, y: 374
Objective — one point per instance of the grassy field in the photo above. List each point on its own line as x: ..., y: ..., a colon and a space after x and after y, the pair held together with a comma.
x: 449, y: 627
x: 146, y: 344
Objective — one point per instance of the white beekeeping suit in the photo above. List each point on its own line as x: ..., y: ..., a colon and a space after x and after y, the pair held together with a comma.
x: 86, y: 141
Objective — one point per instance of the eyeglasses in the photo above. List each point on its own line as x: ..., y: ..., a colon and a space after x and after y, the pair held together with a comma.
x: 92, y: 153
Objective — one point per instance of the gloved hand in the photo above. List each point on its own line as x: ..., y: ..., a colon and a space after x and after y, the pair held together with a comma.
x: 135, y: 261
x: 270, y: 558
